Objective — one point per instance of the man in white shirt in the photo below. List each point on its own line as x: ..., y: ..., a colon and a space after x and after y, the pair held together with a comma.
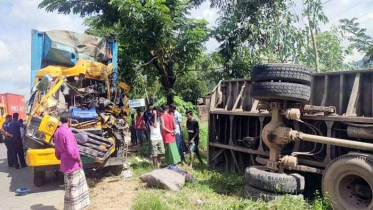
x: 156, y: 140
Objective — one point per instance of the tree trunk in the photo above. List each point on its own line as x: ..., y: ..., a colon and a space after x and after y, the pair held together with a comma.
x: 168, y: 85
x: 167, y: 79
x: 313, y: 42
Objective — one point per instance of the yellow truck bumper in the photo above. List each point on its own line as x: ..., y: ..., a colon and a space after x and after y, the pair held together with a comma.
x: 41, y: 157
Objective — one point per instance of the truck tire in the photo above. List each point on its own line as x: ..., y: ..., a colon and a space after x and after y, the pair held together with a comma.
x: 39, y: 178
x: 284, y: 72
x: 258, y: 177
x: 257, y: 194
x: 280, y: 91
x: 120, y: 152
x: 348, y: 182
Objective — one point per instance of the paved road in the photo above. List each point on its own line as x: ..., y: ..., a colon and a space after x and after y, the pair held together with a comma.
x: 47, y: 197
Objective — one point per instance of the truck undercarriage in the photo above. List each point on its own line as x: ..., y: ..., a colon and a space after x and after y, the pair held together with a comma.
x: 267, y: 128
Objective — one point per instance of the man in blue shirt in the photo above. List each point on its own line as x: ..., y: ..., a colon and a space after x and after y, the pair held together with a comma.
x: 8, y: 144
x: 15, y: 129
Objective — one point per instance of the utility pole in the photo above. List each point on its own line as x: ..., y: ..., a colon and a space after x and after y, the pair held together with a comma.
x: 313, y: 36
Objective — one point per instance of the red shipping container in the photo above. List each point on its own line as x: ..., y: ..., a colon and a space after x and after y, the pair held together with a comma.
x: 14, y: 103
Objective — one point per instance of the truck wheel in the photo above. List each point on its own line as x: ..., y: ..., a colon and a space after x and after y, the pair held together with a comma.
x: 120, y: 152
x: 39, y: 178
x: 284, y: 72
x: 257, y: 194
x: 116, y: 170
x: 280, y: 91
x: 258, y: 177
x: 348, y: 182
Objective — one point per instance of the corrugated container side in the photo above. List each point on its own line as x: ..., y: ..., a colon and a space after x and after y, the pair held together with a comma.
x: 14, y: 103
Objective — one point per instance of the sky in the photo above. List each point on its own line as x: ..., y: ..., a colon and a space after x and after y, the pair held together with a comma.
x: 19, y: 17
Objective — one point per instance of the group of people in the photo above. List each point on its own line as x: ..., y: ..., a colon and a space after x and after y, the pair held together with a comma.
x: 162, y: 127
x: 13, y: 131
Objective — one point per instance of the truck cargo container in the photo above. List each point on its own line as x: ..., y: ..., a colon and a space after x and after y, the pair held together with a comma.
x: 14, y: 103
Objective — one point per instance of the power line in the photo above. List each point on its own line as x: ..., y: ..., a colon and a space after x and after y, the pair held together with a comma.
x: 347, y: 10
x: 364, y: 15
x: 365, y: 21
x: 326, y: 2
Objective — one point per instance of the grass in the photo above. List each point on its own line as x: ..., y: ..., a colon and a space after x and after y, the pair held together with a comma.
x: 216, y: 190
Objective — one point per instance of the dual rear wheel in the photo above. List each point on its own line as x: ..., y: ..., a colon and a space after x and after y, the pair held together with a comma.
x: 281, y: 82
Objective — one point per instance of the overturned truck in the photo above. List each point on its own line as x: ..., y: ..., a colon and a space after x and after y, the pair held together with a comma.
x: 290, y: 131
x: 76, y: 73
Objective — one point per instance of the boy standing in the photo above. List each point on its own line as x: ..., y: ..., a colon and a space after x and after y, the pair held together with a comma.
x: 156, y: 141
x: 193, y: 137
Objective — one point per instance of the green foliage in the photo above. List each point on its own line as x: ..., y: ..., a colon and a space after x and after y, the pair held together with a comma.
x: 256, y: 32
x: 359, y: 39
x: 189, y: 87
x: 203, y: 134
x: 331, y: 52
x: 182, y: 106
x: 210, y: 69
x: 270, y: 31
x: 320, y: 203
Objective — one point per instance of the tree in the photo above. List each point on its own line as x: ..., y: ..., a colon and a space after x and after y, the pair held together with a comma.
x: 155, y: 36
x: 190, y: 87
x: 257, y: 32
x: 254, y: 32
x: 358, y: 38
x: 314, y: 13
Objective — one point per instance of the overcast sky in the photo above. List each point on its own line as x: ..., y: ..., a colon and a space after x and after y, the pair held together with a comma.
x: 18, y: 17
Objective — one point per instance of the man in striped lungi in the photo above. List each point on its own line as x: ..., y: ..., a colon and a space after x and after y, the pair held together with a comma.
x: 66, y: 147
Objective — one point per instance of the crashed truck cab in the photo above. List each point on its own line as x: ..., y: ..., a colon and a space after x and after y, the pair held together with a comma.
x: 77, y: 73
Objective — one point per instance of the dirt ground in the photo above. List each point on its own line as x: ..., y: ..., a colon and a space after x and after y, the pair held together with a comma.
x: 113, y: 193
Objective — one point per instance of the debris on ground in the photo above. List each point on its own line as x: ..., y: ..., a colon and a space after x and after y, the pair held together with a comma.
x: 164, y: 178
x: 126, y: 165
x: 22, y: 191
x: 126, y: 174
x: 188, y: 176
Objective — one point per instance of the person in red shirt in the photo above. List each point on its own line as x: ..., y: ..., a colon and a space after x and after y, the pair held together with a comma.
x: 140, y: 127
x: 168, y: 134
